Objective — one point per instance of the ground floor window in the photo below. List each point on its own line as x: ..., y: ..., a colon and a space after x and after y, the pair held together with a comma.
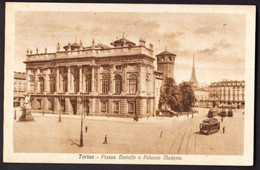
x: 39, y: 104
x: 104, y: 106
x: 51, y: 104
x: 148, y: 106
x: 116, y: 107
x: 131, y: 107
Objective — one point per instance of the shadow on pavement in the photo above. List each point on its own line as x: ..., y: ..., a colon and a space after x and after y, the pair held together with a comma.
x: 198, y: 133
x: 73, y: 142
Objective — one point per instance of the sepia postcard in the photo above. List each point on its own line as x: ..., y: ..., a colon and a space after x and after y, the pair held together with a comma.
x: 129, y: 84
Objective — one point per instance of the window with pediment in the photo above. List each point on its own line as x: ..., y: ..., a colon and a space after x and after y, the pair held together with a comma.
x: 41, y: 81
x: 132, y: 84
x: 52, y: 85
x: 105, y: 84
x: 118, y: 84
x: 88, y: 83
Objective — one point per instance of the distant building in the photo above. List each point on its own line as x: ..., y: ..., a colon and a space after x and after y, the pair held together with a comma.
x: 228, y: 92
x: 99, y: 80
x: 19, y: 88
x: 202, y: 96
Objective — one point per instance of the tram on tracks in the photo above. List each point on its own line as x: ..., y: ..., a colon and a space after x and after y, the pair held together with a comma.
x: 209, y: 126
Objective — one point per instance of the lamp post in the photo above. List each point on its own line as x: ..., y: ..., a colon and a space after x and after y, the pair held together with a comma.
x: 81, y: 124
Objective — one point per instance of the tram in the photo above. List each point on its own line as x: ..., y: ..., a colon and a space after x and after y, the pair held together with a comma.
x: 209, y: 126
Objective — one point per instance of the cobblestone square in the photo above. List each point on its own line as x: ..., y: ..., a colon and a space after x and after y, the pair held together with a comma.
x: 178, y: 135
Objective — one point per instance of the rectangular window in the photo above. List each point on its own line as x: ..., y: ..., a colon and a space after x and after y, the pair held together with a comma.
x: 39, y: 104
x: 131, y: 107
x: 51, y: 104
x: 116, y: 107
x: 148, y: 106
x: 104, y: 106
x: 118, y: 67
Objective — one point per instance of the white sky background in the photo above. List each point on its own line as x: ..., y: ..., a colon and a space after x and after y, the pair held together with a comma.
x: 217, y: 40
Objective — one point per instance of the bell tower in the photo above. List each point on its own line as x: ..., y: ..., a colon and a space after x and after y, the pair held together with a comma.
x: 165, y: 63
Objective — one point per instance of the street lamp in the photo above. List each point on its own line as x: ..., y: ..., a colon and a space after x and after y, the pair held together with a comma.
x: 81, y: 125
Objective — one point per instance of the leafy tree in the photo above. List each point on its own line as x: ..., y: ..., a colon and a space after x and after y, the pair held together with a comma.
x: 169, y: 97
x: 187, y: 96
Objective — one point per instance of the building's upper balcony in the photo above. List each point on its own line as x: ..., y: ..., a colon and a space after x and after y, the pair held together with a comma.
x: 82, y: 53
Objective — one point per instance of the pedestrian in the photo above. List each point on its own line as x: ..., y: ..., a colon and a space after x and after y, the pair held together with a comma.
x: 192, y: 114
x: 105, y: 141
x: 223, y: 129
x: 86, y: 129
x: 221, y: 119
x: 161, y: 134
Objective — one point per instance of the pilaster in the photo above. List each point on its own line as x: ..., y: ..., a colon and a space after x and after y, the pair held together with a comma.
x: 80, y: 78
x: 57, y: 79
x: 68, y: 79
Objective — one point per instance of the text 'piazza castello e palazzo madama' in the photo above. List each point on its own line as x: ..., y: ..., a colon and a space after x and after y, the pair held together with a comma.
x: 118, y: 80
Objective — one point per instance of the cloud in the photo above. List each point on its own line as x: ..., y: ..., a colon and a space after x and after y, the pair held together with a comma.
x: 222, y: 44
x: 205, y: 30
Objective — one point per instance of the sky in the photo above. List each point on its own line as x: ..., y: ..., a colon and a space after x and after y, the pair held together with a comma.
x: 216, y: 40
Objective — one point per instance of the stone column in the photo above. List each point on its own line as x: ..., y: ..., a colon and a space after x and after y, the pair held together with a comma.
x: 57, y: 79
x: 92, y: 79
x: 98, y: 79
x: 80, y: 78
x: 68, y: 79
x: 83, y: 80
x: 47, y: 82
x: 36, y: 88
x: 112, y: 82
x: 123, y: 80
x: 139, y: 80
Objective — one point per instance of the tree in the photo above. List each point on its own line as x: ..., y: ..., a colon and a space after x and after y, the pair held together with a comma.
x: 169, y: 97
x: 187, y: 96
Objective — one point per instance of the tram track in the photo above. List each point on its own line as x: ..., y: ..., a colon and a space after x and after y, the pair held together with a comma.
x: 187, y: 144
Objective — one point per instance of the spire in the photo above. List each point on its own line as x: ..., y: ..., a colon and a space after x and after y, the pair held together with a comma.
x: 193, y: 79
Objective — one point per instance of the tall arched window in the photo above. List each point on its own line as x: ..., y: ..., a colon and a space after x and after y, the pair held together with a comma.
x: 105, y: 84
x: 132, y: 84
x: 118, y: 84
x: 41, y: 81
x: 76, y: 84
x: 64, y: 83
x: 88, y: 83
x: 52, y: 85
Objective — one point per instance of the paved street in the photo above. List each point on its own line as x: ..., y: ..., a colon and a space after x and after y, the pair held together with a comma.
x: 179, y: 135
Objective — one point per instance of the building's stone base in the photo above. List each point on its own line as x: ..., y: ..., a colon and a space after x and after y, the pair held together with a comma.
x: 95, y: 106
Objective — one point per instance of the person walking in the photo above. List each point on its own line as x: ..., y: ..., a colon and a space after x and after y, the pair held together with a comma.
x: 223, y: 129
x: 161, y: 134
x: 221, y: 119
x: 105, y: 141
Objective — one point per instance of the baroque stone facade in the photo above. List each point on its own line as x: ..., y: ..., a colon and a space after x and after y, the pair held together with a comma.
x: 96, y: 80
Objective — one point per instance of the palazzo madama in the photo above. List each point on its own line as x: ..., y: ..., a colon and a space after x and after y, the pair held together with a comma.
x: 117, y: 80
